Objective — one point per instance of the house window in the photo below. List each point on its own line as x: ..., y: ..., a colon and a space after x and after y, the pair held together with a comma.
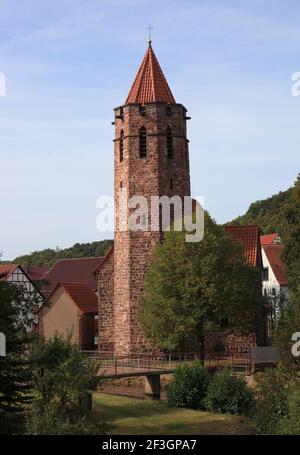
x: 265, y: 274
x: 169, y: 143
x: 143, y: 142
x: 121, y: 146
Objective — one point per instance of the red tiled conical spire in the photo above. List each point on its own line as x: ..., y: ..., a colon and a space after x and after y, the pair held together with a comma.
x: 150, y: 84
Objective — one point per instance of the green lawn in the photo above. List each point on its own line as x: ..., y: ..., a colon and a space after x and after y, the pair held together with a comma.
x: 135, y: 416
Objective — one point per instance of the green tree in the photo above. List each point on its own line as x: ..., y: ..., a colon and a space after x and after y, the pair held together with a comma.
x: 291, y: 236
x: 188, y: 386
x: 63, y: 379
x: 61, y: 372
x: 272, y: 391
x: 17, y: 312
x: 48, y: 257
x: 267, y: 213
x: 192, y: 288
x: 289, y: 322
x: 229, y: 394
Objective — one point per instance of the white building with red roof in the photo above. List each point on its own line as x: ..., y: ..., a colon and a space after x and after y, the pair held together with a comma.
x: 275, y: 281
x: 274, y: 278
x: 16, y: 274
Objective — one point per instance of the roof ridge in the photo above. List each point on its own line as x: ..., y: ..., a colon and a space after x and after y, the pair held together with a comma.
x: 77, y: 259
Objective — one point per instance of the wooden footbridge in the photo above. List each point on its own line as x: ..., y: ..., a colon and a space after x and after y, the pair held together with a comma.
x: 140, y: 365
x: 153, y: 367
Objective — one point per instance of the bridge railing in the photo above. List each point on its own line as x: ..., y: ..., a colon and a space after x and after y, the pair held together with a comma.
x: 113, y: 365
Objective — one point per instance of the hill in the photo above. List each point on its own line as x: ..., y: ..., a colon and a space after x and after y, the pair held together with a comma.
x: 267, y: 213
x: 46, y: 258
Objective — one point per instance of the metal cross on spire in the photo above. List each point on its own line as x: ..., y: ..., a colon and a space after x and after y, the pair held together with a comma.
x: 150, y: 28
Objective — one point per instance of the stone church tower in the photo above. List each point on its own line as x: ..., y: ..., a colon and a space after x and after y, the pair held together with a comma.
x: 151, y: 158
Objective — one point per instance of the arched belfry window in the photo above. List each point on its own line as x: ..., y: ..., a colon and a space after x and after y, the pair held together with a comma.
x: 121, y: 146
x: 169, y: 143
x: 143, y: 142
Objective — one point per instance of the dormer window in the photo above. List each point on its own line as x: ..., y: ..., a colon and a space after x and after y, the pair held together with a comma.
x: 121, y: 146
x: 169, y: 143
x: 143, y: 142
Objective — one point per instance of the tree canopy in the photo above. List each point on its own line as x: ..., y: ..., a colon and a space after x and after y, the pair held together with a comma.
x: 266, y: 213
x: 192, y: 288
x: 48, y: 257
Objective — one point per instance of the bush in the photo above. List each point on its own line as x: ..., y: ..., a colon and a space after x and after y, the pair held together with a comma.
x: 290, y: 424
x: 53, y: 420
x: 63, y: 401
x: 188, y: 386
x: 227, y: 394
x: 272, y: 401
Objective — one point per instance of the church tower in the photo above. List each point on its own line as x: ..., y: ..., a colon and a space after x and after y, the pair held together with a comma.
x: 151, y: 158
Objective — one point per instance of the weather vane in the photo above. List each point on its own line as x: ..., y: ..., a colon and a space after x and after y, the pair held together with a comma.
x: 150, y: 28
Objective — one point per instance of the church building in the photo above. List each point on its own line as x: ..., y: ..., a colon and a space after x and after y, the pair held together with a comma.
x: 151, y: 158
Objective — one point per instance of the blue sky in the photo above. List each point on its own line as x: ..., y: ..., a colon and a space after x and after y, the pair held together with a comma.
x: 68, y: 63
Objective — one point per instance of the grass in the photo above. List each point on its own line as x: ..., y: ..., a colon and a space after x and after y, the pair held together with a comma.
x: 131, y: 416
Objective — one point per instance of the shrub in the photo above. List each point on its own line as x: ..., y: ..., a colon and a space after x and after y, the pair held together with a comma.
x: 272, y: 401
x: 188, y: 386
x: 290, y: 424
x: 53, y: 420
x: 229, y: 394
x: 63, y: 378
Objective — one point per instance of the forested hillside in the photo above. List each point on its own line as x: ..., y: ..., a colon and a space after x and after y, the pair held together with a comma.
x: 46, y: 258
x: 267, y: 213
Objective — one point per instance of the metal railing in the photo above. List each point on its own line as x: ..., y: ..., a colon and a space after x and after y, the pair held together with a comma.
x: 110, y: 364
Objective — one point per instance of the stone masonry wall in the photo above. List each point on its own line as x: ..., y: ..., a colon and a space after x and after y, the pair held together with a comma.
x: 106, y: 307
x: 236, y: 344
x: 150, y: 176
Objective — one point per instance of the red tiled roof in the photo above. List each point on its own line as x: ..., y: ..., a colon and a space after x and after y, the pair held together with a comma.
x: 35, y: 273
x: 81, y: 294
x: 248, y: 236
x: 6, y: 270
x: 79, y: 270
x: 150, y: 84
x: 273, y: 253
x: 268, y: 239
x: 104, y: 259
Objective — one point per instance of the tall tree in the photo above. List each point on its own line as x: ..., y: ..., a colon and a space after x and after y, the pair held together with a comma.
x: 289, y: 322
x: 17, y: 310
x: 192, y: 288
x: 291, y: 236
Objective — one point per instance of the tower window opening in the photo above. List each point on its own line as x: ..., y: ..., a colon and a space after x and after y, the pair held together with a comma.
x: 169, y: 143
x: 121, y: 146
x: 171, y: 184
x: 143, y: 142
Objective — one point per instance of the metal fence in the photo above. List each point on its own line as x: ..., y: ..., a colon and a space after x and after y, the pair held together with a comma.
x: 139, y: 363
